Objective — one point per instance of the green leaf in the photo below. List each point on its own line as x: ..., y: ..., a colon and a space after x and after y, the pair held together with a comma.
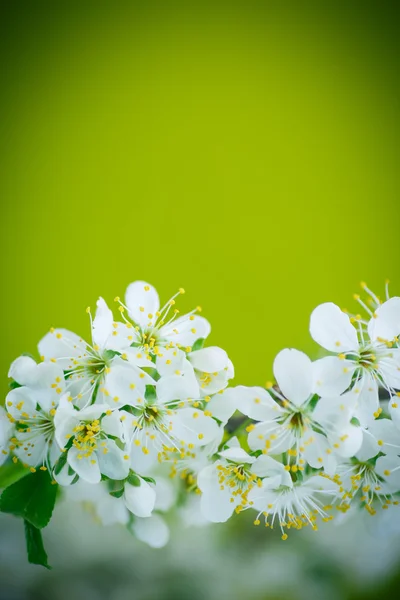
x: 150, y: 393
x: 62, y: 460
x: 13, y: 385
x: 198, y: 344
x: 134, y: 479
x: 109, y: 354
x: 34, y: 546
x: 32, y: 498
x: 117, y: 493
x: 11, y: 472
x: 149, y: 480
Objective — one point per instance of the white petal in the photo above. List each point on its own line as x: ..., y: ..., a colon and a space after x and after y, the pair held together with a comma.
x: 21, y: 400
x: 23, y: 370
x: 390, y: 368
x: 144, y: 463
x: 185, y: 331
x: 193, y: 427
x: 62, y: 345
x: 223, y: 405
x: 332, y: 375
x: 212, y: 383
x: 237, y: 455
x: 336, y: 412
x: 255, y: 402
x: 177, y: 387
x: 386, y: 323
x: 388, y: 467
x: 318, y: 453
x: 140, y: 499
x: 368, y: 401
x: 122, y: 337
x: 369, y: 447
x: 85, y: 467
x: 394, y: 410
x: 111, y: 460
x: 126, y: 384
x: 102, y: 324
x: 142, y: 300
x: 274, y: 437
x: 66, y: 418
x: 165, y: 494
x: 209, y: 359
x: 265, y: 466
x: 90, y: 413
x: 331, y: 328
x: 293, y: 373
x: 170, y: 360
x: 348, y: 442
x: 215, y: 504
x: 111, y: 424
x: 36, y: 453
x: 387, y: 436
x: 152, y: 531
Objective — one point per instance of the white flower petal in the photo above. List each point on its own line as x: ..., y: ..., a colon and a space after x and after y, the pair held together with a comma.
x: 209, y: 360
x: 193, y: 427
x: 126, y: 384
x: 111, y: 424
x: 237, y: 455
x: 265, y: 466
x: 318, y: 453
x: 293, y: 373
x: 385, y: 324
x: 223, y: 405
x: 255, y: 402
x: 31, y: 451
x: 152, y: 531
x: 140, y: 499
x: 332, y: 375
x: 369, y: 447
x: 215, y: 504
x: 21, y: 400
x: 394, y: 410
x: 144, y: 463
x: 123, y: 335
x: 388, y: 467
x: 170, y: 360
x: 387, y: 436
x: 165, y: 494
x: 274, y: 437
x: 111, y: 460
x: 185, y: 331
x: 348, y: 442
x: 211, y: 383
x: 23, y: 370
x: 85, y: 467
x: 102, y: 324
x: 331, y: 328
x: 368, y: 401
x: 142, y: 300
x: 62, y: 345
x: 177, y: 387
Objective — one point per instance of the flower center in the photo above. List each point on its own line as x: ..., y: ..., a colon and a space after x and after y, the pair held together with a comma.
x: 239, y: 480
x: 86, y: 436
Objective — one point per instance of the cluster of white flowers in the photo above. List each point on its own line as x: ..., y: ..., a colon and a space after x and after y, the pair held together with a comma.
x: 143, y: 412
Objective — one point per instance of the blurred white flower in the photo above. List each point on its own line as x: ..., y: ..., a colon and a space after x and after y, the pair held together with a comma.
x: 6, y: 432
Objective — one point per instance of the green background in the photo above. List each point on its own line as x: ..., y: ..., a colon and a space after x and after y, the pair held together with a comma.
x: 245, y: 151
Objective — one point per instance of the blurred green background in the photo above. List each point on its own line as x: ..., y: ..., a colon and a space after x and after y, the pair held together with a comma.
x: 247, y: 151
